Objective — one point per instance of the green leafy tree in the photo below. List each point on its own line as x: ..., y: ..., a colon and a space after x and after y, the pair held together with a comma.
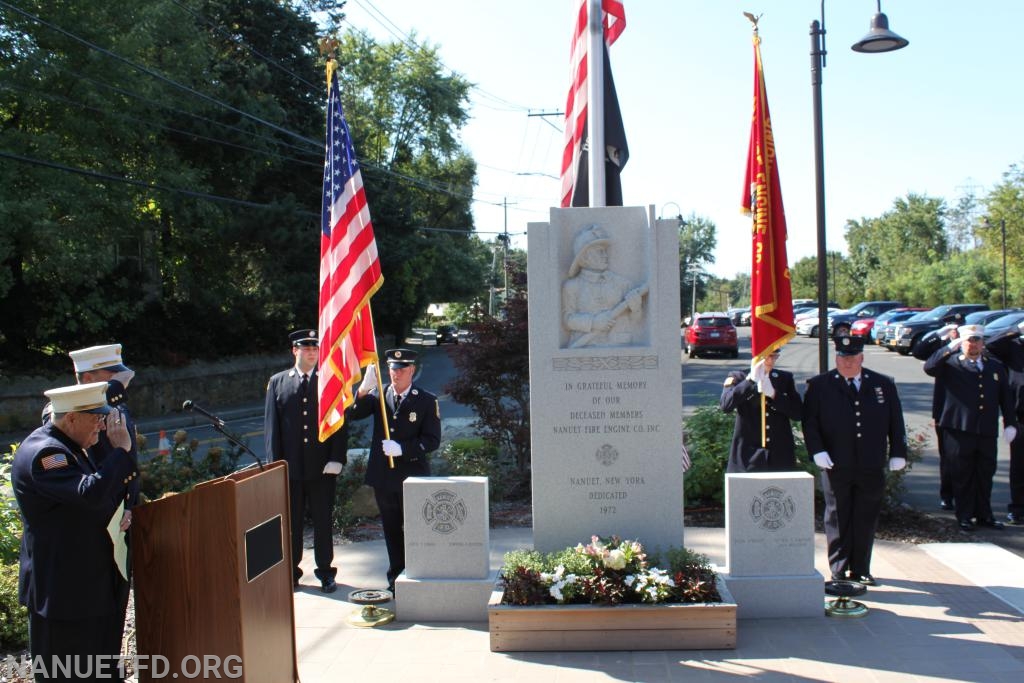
x: 697, y: 242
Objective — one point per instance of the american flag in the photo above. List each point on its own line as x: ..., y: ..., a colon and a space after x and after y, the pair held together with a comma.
x: 349, y: 271
x: 614, y: 21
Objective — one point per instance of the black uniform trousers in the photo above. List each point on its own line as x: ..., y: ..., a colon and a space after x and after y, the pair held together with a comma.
x: 974, y: 464
x: 318, y: 495
x: 75, y: 645
x: 946, y: 467
x: 392, y: 518
x: 1016, y: 505
x: 853, y: 501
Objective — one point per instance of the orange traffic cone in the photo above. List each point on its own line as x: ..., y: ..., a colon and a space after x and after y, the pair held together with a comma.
x: 163, y: 446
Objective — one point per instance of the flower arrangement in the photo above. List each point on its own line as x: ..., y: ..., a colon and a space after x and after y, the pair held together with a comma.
x: 607, y: 571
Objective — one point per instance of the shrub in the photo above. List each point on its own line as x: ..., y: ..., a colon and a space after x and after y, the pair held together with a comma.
x: 478, y: 457
x: 181, y: 469
x: 13, y: 617
x: 10, y: 516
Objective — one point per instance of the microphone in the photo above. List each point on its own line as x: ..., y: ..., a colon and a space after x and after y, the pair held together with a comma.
x: 190, y: 406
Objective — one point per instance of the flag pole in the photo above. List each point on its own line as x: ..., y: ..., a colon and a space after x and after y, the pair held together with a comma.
x: 595, y: 104
x: 380, y: 392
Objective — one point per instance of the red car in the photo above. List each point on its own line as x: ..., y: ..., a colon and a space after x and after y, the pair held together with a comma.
x: 862, y: 328
x: 711, y: 332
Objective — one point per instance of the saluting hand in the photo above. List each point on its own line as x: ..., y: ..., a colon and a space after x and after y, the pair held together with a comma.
x: 117, y: 430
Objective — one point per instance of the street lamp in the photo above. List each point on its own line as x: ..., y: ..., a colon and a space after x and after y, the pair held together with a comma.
x: 694, y: 270
x: 1002, y: 228
x: 878, y: 39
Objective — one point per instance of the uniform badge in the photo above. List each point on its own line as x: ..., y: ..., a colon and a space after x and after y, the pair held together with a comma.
x: 879, y: 395
x: 415, y: 392
x: 412, y: 417
x: 995, y: 376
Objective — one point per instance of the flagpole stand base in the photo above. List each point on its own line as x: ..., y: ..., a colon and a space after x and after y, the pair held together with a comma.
x: 370, y: 615
x: 843, y: 606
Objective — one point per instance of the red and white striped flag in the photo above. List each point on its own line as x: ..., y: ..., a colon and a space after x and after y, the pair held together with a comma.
x: 613, y: 17
x: 349, y: 271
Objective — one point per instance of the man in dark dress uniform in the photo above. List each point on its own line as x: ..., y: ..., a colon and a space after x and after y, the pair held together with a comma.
x: 977, y: 389
x: 291, y: 433
x: 853, y: 427
x: 742, y: 394
x: 104, y: 364
x: 1009, y: 348
x: 922, y: 351
x: 69, y: 579
x: 414, y: 419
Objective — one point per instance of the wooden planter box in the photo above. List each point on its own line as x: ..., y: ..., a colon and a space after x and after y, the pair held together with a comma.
x: 701, y: 626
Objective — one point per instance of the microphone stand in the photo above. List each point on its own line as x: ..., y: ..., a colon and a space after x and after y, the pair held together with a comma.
x: 218, y: 424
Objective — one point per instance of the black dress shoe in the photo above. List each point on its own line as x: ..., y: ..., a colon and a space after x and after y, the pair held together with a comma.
x: 945, y: 504
x: 991, y: 524
x: 866, y: 580
x: 839, y: 577
x: 328, y: 585
x: 966, y: 526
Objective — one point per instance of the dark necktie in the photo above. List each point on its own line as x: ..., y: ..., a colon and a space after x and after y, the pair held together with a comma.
x: 398, y: 402
x: 973, y: 365
x: 304, y: 386
x: 853, y: 385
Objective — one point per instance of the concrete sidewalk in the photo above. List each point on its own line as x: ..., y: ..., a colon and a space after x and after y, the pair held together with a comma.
x: 943, y: 612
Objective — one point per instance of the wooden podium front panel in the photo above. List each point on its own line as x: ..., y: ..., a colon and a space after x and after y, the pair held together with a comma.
x: 267, y: 602
x: 192, y: 596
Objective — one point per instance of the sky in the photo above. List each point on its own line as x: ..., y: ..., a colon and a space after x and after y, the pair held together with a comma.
x: 940, y: 117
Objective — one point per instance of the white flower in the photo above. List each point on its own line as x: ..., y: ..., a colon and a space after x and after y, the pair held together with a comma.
x: 615, y: 559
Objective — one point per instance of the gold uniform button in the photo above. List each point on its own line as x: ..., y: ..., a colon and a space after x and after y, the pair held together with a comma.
x: 304, y: 440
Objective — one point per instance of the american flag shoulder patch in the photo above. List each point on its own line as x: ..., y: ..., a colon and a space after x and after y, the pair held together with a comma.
x: 55, y: 461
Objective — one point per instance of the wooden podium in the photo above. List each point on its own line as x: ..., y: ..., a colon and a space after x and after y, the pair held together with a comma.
x: 213, y: 578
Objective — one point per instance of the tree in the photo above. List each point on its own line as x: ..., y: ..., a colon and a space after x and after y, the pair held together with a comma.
x: 494, y: 375
x: 697, y: 244
x: 911, y: 234
x: 404, y: 113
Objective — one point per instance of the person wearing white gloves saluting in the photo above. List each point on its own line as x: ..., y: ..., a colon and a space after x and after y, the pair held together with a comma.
x: 977, y: 388
x: 414, y: 423
x: 742, y: 393
x: 853, y: 427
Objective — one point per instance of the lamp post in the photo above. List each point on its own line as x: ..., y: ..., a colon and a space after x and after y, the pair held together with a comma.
x: 1002, y: 229
x: 878, y: 39
x: 694, y: 271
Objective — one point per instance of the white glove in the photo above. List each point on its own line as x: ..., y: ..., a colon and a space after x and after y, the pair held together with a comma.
x: 369, y: 382
x: 765, y: 386
x: 897, y: 464
x: 756, y: 370
x: 823, y: 461
x: 392, y: 449
x: 332, y: 467
x: 1009, y: 434
x: 943, y: 333
x: 955, y: 344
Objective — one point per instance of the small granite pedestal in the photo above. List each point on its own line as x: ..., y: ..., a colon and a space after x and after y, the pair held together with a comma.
x: 769, y: 528
x: 447, y: 573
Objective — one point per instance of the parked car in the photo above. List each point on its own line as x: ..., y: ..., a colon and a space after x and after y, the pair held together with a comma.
x: 1003, y: 324
x: 711, y: 332
x: 807, y: 323
x: 745, y: 318
x: 447, y: 334
x: 736, y: 315
x: 864, y: 309
x: 888, y: 319
x: 976, y: 318
x: 910, y: 332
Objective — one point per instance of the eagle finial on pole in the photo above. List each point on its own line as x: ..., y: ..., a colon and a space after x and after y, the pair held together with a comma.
x: 753, y: 19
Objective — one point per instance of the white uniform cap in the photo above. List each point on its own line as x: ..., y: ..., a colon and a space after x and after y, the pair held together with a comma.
x: 106, y: 357
x: 80, y: 398
x: 968, y: 331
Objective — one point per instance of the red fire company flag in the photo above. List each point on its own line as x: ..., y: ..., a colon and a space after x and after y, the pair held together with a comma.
x: 574, y: 156
x: 771, y: 300
x: 349, y: 271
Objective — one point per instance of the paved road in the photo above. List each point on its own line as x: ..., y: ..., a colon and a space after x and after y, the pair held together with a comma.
x: 702, y: 382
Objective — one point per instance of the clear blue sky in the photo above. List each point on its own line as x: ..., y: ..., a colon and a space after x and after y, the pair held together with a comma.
x: 941, y: 117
